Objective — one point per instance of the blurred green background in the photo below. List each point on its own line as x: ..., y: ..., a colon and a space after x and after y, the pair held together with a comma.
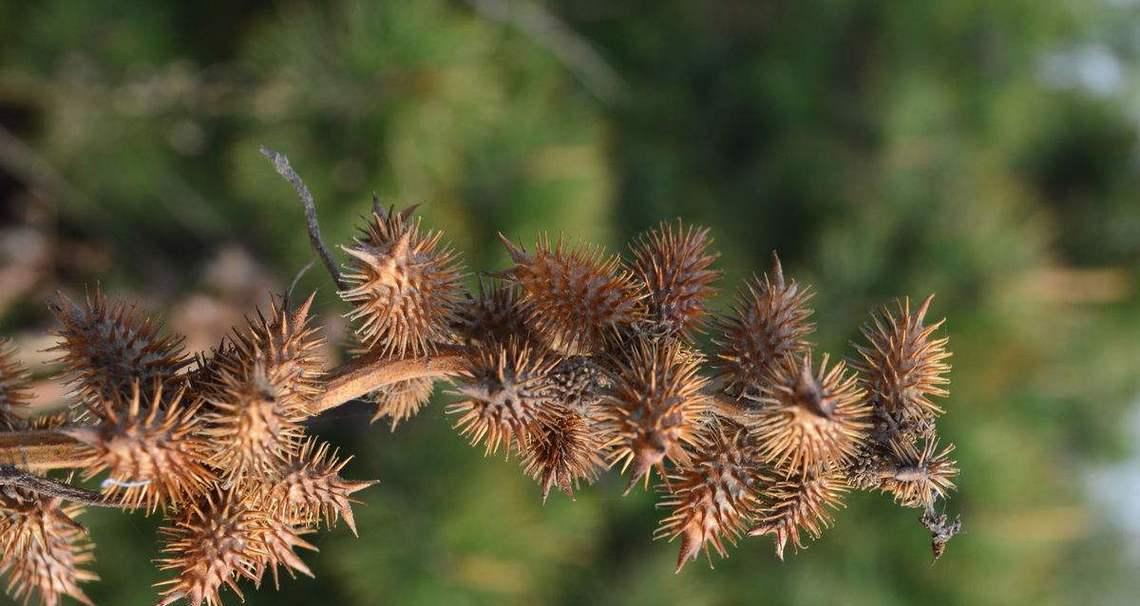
x: 985, y: 151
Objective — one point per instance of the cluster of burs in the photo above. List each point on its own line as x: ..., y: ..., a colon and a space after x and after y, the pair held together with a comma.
x: 573, y: 361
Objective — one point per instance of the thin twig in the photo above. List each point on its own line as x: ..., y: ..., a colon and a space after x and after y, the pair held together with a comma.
x: 47, y: 487
x: 283, y: 168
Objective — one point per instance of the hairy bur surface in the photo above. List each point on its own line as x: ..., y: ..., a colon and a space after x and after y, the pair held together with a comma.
x: 654, y: 408
x: 769, y: 321
x: 577, y: 300
x: 811, y: 420
x: 713, y: 499
x: 403, y: 285
x: 504, y: 389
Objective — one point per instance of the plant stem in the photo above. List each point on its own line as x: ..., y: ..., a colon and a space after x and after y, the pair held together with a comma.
x: 40, y: 450
x: 372, y: 371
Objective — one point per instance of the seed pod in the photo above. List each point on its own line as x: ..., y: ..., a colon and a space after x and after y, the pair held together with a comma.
x: 42, y: 548
x: 903, y: 365
x: 106, y: 347
x: 674, y: 265
x: 260, y: 389
x: 212, y: 544
x: 768, y: 323
x: 713, y: 499
x: 577, y: 382
x: 286, y: 347
x: 577, y: 300
x: 916, y: 477
x: 279, y: 538
x: 800, y: 503
x: 810, y: 422
x: 250, y: 428
x: 311, y: 489
x: 14, y: 392
x: 152, y: 451
x: 402, y: 400
x: 654, y: 407
x: 496, y: 314
x: 404, y: 287
x: 564, y: 450
x: 505, y: 387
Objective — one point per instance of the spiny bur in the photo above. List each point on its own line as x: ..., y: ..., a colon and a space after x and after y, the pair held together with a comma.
x: 809, y: 419
x: 769, y: 321
x: 105, y: 347
x: 265, y: 381
x: 713, y: 499
x: 402, y: 400
x: 404, y: 287
x: 311, y: 489
x: 654, y: 408
x: 675, y: 263
x: 800, y: 504
x: 150, y: 447
x: 917, y: 477
x: 494, y: 313
x: 42, y: 549
x: 14, y: 392
x: 565, y: 449
x: 904, y: 364
x: 504, y: 388
x: 577, y: 300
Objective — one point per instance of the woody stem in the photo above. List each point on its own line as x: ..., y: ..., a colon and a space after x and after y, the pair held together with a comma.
x: 40, y: 450
x: 372, y: 371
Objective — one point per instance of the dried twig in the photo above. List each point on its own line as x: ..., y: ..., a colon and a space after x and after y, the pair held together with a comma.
x: 283, y: 168
x: 11, y: 476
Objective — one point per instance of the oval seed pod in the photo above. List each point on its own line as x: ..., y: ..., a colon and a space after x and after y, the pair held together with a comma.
x: 811, y: 421
x: 565, y: 449
x: 801, y: 503
x: 404, y: 287
x: 104, y: 348
x: 14, y: 392
x: 42, y: 548
x: 577, y: 300
x: 904, y: 365
x: 674, y: 265
x: 713, y: 499
x: 260, y: 388
x: 654, y: 407
x: 504, y: 386
x: 152, y: 450
x: 768, y: 322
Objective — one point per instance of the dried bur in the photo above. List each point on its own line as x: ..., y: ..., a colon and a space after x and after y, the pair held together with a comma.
x: 573, y: 360
x: 903, y: 366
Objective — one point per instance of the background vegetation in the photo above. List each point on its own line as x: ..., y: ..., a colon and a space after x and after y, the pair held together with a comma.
x: 986, y: 151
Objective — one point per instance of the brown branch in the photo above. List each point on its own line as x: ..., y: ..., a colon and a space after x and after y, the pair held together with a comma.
x: 372, y: 371
x: 40, y: 450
